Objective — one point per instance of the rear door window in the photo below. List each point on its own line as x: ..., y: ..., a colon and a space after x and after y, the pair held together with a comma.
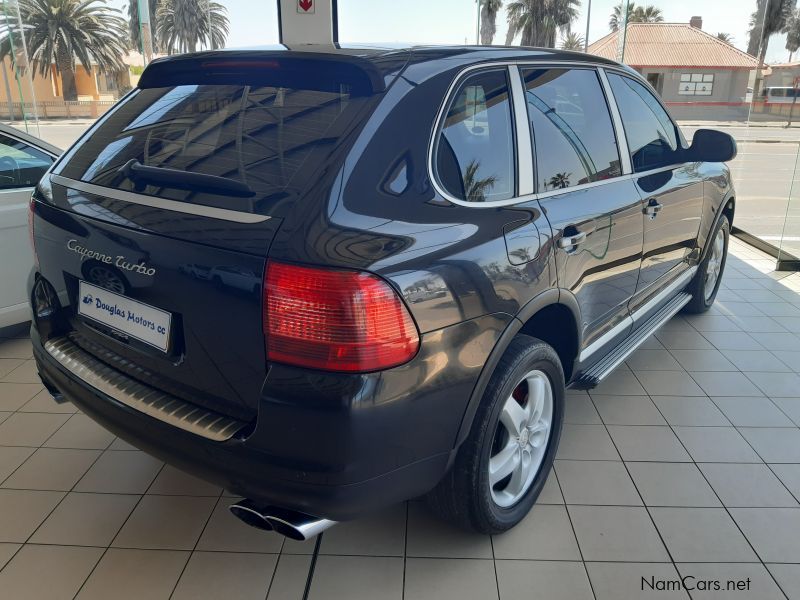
x: 651, y: 134
x: 475, y: 159
x: 571, y: 128
x: 271, y: 138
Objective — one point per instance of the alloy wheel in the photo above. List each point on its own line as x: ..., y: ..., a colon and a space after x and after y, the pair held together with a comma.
x: 714, y: 265
x: 521, y: 439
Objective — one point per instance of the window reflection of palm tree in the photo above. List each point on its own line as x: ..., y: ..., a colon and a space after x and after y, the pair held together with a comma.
x: 475, y: 189
x: 560, y: 180
x: 565, y: 130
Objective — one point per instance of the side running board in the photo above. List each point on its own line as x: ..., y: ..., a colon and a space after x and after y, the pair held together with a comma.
x: 596, y: 373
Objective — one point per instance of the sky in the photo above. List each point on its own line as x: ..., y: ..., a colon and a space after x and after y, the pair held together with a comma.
x: 254, y: 22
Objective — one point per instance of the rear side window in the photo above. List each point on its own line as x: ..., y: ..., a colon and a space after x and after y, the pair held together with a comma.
x: 571, y: 127
x: 21, y: 165
x: 270, y: 137
x: 651, y: 135
x: 475, y: 158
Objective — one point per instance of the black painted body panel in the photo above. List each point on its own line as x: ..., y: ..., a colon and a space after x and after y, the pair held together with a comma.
x: 336, y: 445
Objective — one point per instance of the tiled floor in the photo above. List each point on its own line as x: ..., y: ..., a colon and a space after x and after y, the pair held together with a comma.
x: 685, y: 462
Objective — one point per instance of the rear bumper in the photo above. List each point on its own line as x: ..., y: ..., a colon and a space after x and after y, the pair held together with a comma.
x: 333, y: 446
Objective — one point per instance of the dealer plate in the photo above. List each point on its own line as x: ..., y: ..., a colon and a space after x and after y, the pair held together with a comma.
x: 141, y: 321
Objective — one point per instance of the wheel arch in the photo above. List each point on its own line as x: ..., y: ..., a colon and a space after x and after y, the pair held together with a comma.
x: 548, y: 316
x: 727, y: 209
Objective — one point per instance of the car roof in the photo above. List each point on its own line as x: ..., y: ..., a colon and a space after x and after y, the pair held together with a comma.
x: 386, y: 60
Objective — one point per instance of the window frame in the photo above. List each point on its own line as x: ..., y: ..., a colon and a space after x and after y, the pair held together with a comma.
x: 525, y: 171
x: 521, y: 183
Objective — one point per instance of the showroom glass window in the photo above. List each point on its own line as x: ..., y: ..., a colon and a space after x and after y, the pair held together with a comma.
x: 21, y: 165
x: 475, y: 158
x: 651, y: 135
x: 571, y: 128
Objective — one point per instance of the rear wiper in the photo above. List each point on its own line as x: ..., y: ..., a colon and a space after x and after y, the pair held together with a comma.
x: 185, y: 180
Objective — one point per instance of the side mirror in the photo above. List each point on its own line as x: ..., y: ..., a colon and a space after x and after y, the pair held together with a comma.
x: 710, y: 145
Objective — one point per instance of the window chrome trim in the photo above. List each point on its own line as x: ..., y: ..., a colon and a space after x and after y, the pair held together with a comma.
x: 523, y: 133
x: 544, y: 64
x: 616, y: 119
x: 199, y: 210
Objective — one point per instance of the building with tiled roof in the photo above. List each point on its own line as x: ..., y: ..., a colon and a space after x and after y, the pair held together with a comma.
x: 682, y: 62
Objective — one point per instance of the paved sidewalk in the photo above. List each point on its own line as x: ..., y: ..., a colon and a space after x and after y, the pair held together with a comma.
x: 685, y: 462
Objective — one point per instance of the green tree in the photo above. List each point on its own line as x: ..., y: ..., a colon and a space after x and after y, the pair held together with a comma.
x: 793, y: 33
x: 476, y: 188
x: 65, y: 32
x: 769, y: 18
x: 489, y: 10
x: 636, y: 14
x: 539, y: 20
x: 182, y: 25
x: 134, y: 26
x: 572, y: 41
x: 725, y: 37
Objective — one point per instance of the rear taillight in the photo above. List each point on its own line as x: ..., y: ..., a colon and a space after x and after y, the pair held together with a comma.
x: 335, y: 320
x: 31, y: 238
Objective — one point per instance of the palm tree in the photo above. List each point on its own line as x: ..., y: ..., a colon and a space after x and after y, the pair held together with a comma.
x: 793, y: 34
x: 540, y: 20
x: 648, y: 14
x: 63, y: 32
x: 616, y: 17
x: 560, y: 180
x: 769, y: 18
x: 489, y: 10
x: 476, y: 188
x: 181, y: 25
x: 572, y: 41
x: 725, y: 37
x: 134, y: 26
x: 636, y: 14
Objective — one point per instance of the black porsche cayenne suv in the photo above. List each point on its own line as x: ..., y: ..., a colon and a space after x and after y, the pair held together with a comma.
x: 335, y: 279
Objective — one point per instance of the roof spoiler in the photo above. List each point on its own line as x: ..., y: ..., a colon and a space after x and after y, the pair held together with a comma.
x: 303, y: 70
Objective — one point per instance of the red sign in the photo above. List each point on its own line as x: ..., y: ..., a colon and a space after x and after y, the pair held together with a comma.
x: 305, y: 6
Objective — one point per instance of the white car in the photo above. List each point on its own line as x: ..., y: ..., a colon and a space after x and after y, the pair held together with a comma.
x: 23, y: 160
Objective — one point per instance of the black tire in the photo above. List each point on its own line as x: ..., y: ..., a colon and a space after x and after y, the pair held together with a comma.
x: 701, y: 301
x: 464, y: 497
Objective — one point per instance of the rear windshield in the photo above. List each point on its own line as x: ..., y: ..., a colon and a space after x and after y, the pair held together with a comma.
x: 270, y: 137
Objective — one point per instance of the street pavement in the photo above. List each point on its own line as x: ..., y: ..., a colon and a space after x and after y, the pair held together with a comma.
x: 763, y: 172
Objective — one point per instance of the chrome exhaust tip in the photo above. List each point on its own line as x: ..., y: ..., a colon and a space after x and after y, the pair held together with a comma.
x: 289, y: 523
x: 246, y: 511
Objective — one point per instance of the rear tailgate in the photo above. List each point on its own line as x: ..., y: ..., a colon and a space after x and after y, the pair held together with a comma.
x: 155, y: 227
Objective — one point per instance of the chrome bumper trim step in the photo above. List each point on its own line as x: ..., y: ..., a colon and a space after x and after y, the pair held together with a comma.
x: 136, y: 395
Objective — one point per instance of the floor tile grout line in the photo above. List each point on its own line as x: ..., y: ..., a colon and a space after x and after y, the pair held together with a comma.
x: 124, y: 522
x: 197, y: 541
x: 780, y: 480
x: 714, y: 491
x: 50, y: 513
x: 633, y: 481
x: 574, y: 533
x: 494, y: 566
x: 405, y: 552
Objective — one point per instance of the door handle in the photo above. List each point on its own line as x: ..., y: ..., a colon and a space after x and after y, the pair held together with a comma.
x: 571, y: 241
x: 653, y: 208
